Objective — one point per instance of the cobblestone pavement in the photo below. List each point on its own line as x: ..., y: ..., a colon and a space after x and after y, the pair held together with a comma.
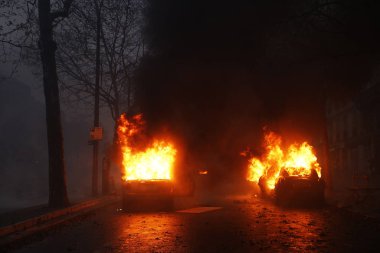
x: 241, y: 225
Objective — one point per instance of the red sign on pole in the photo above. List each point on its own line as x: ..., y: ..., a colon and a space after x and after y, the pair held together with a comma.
x: 96, y: 134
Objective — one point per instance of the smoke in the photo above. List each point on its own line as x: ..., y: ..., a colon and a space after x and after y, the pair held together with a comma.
x: 216, y: 73
x: 23, y: 149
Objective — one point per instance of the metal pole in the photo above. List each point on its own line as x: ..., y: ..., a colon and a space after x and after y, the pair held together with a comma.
x: 96, y: 105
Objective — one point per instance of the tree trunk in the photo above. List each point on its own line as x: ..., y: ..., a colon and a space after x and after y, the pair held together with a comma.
x: 57, y: 175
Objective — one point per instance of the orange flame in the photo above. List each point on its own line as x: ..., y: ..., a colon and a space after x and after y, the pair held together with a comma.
x: 296, y: 160
x: 153, y: 162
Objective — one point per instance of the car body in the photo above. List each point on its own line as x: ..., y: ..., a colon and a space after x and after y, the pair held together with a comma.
x: 299, y: 190
x: 147, y: 195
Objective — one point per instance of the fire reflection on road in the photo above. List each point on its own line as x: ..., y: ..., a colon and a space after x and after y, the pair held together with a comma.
x: 162, y: 232
x: 292, y: 229
x: 242, y: 225
x: 299, y: 232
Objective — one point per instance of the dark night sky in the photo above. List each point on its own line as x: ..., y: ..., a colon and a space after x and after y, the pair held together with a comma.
x: 217, y: 72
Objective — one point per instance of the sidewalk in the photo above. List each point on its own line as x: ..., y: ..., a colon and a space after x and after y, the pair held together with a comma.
x: 23, y: 223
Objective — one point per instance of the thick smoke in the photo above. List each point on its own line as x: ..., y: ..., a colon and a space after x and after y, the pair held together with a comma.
x: 23, y: 150
x: 216, y: 73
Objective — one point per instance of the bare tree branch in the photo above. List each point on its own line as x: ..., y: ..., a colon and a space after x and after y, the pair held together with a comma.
x: 18, y: 45
x: 64, y: 12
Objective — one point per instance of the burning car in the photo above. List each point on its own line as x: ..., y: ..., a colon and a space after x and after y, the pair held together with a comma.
x: 147, y: 167
x: 299, y: 190
x: 290, y: 175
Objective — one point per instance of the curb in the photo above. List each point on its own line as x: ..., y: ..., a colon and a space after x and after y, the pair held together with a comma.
x: 14, y: 232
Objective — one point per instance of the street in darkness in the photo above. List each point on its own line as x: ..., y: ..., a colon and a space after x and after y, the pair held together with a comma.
x: 242, y: 224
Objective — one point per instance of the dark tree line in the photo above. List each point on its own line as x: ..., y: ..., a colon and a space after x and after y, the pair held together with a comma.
x: 121, y: 47
x: 47, y: 36
x: 47, y: 17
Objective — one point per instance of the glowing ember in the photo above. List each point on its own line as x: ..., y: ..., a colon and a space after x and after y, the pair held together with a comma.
x: 296, y: 160
x: 151, y: 162
x: 203, y: 172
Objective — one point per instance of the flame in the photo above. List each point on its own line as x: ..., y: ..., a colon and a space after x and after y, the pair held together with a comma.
x: 296, y: 160
x: 152, y: 162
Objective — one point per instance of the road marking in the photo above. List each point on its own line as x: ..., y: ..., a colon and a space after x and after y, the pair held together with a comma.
x: 201, y: 209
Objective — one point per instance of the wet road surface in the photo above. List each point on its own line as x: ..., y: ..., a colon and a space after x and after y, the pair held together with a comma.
x: 242, y: 225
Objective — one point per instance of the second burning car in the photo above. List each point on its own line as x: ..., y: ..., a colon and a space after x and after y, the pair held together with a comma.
x: 292, y: 176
